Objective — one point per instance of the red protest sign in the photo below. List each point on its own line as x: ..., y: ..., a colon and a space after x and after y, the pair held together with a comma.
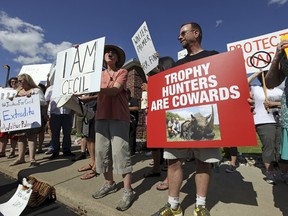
x: 208, y: 98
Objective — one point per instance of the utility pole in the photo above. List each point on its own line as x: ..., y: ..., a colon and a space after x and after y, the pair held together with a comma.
x: 8, y: 73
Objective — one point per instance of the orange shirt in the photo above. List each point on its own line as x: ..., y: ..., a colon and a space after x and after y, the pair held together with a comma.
x: 113, y: 107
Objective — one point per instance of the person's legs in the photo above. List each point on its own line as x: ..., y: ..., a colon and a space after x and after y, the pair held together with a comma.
x: 267, y: 138
x: 41, y: 138
x: 3, y: 144
x: 122, y: 164
x: 204, y: 158
x: 48, y: 125
x: 175, y: 178
x: 91, y: 150
x: 132, y: 137
x: 32, y: 143
x: 22, y: 142
x: 103, y: 150
x: 174, y: 157
x: 83, y: 147
x: 156, y: 170
x: 67, y: 123
x: 202, y: 177
x: 267, y: 134
x: 233, y: 155
x: 13, y: 143
x: 103, y: 154
x: 55, y: 123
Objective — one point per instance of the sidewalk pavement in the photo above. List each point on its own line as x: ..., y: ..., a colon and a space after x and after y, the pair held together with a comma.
x: 230, y: 194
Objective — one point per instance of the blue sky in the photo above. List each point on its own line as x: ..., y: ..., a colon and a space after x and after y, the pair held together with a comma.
x: 33, y: 31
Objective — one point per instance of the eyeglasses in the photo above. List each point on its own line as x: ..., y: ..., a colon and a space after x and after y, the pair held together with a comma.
x: 20, y: 81
x: 183, y: 33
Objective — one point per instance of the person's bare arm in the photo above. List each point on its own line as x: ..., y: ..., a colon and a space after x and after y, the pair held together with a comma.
x: 112, y: 91
x: 275, y: 76
x: 253, y: 76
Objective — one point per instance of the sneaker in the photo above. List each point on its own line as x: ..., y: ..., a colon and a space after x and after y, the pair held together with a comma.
x: 105, y: 190
x: 270, y: 177
x: 201, y: 211
x: 230, y: 169
x: 168, y: 211
x: 48, y: 152
x: 126, y: 201
x: 54, y: 156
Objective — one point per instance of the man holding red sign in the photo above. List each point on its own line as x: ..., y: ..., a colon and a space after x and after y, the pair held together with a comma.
x: 190, y: 38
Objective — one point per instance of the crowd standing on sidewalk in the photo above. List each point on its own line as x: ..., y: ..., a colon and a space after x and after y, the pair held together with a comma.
x: 108, y: 142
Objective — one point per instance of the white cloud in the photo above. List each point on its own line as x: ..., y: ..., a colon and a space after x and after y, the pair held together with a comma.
x: 219, y: 22
x: 26, y: 41
x: 280, y: 2
x: 25, y: 60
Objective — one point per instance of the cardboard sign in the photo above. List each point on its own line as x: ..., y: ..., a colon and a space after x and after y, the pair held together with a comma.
x: 38, y: 72
x: 145, y: 50
x: 144, y: 100
x: 17, y: 202
x: 209, y: 99
x: 255, y: 47
x: 78, y: 69
x: 282, y: 38
x: 181, y: 54
x: 6, y: 93
x: 20, y: 113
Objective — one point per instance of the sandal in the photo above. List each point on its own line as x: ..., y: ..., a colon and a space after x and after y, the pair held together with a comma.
x: 17, y: 162
x: 162, y: 186
x: 85, y: 168
x: 152, y: 174
x: 89, y: 175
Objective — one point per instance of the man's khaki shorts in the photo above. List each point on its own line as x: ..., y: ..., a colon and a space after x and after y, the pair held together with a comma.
x: 208, y: 155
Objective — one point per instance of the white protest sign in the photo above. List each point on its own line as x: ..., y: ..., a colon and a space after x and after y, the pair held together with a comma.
x: 38, y: 72
x: 255, y: 46
x: 181, y: 54
x: 144, y: 100
x: 17, y: 202
x: 6, y: 93
x: 78, y: 69
x: 20, y: 113
x: 145, y: 49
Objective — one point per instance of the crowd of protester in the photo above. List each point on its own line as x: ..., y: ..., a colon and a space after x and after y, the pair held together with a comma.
x: 110, y: 137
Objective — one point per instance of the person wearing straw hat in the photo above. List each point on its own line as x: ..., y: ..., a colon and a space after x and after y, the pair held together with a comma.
x: 267, y: 104
x: 112, y: 124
